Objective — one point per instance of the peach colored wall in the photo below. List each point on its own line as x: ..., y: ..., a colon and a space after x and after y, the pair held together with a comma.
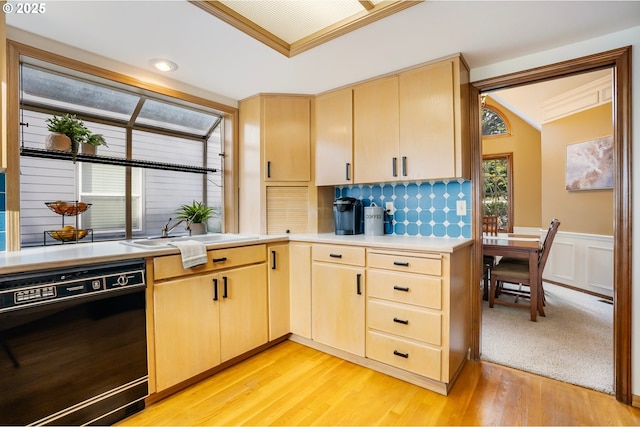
x: 590, y: 211
x: 524, y: 143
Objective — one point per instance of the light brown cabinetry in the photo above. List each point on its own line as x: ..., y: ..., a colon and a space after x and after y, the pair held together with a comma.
x: 338, y: 297
x: 434, y: 140
x: 208, y: 314
x: 412, y: 125
x: 300, y: 288
x: 410, y: 321
x: 334, y: 138
x: 278, y: 285
x: 276, y: 194
x: 375, y: 131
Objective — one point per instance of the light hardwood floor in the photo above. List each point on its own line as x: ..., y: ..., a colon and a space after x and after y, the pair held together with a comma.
x: 291, y: 384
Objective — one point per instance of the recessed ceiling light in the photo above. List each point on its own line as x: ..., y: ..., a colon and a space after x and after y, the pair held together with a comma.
x: 164, y: 64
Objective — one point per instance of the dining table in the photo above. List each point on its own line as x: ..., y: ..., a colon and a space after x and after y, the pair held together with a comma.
x: 524, y: 246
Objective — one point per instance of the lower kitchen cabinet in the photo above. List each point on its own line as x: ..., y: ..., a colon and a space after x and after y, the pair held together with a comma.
x: 278, y: 285
x: 300, y: 289
x: 338, y: 298
x: 202, y: 320
x: 187, y: 329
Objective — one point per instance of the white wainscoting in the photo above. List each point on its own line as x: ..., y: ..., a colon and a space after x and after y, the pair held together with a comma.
x: 583, y: 261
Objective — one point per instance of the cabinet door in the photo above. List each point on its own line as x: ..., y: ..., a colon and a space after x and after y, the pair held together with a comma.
x: 427, y: 125
x: 287, y: 138
x: 338, y: 303
x: 300, y: 289
x: 376, y: 131
x: 334, y: 138
x: 187, y: 335
x: 278, y: 290
x: 243, y: 310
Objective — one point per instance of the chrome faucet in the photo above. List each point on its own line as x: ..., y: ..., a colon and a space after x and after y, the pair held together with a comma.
x: 166, y: 229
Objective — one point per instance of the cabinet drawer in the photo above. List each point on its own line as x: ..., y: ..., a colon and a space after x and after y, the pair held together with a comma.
x: 425, y: 291
x: 428, y: 264
x: 404, y: 320
x: 405, y: 354
x: 339, y: 254
x: 171, y: 266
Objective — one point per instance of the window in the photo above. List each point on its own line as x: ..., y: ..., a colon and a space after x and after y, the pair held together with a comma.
x: 498, y: 189
x: 493, y: 123
x: 173, y: 149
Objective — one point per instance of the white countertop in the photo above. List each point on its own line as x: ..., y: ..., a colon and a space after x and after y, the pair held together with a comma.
x: 46, y: 257
x: 388, y: 241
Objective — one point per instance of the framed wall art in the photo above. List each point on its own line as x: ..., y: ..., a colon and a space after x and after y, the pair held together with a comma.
x: 590, y: 165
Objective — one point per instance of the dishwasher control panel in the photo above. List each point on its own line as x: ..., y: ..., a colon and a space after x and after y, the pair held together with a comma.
x: 29, y: 289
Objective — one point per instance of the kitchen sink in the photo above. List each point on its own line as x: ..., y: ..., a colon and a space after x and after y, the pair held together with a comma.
x: 164, y: 242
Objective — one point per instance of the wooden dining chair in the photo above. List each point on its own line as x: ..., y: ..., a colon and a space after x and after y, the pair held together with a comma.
x: 517, y: 273
x: 489, y: 228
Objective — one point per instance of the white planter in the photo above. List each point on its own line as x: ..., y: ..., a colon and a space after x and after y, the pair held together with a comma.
x: 198, y: 228
x: 57, y: 142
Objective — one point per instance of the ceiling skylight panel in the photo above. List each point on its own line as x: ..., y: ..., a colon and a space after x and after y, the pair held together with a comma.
x: 295, y: 20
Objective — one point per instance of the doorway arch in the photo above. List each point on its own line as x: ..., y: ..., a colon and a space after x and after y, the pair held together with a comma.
x: 619, y: 60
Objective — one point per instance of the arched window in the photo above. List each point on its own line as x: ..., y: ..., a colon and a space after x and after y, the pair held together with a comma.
x: 493, y: 123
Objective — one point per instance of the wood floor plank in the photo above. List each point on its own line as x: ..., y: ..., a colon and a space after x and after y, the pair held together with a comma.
x: 291, y: 384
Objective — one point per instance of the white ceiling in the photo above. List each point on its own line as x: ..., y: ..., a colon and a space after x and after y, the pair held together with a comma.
x: 218, y: 58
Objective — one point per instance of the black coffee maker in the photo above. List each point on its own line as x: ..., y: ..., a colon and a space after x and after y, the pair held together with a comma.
x: 348, y: 216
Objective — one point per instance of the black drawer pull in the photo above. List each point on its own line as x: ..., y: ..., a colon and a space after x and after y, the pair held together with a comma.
x: 358, y: 288
x: 223, y: 259
x: 215, y: 289
x: 335, y: 255
x: 348, y: 174
x: 404, y: 165
x: 225, y: 294
x: 394, y: 166
x: 268, y: 169
x: 273, y: 264
x: 400, y: 288
x: 401, y: 263
x: 397, y: 353
x: 404, y: 322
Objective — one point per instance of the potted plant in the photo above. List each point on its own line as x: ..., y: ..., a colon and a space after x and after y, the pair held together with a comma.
x: 68, y: 133
x: 196, y: 214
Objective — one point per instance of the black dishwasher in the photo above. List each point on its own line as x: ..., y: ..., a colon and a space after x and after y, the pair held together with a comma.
x: 73, y: 345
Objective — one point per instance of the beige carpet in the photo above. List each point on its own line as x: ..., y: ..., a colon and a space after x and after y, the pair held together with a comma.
x: 573, y: 343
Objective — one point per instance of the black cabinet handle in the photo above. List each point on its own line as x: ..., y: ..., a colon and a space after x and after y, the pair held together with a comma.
x: 347, y: 174
x: 335, y: 255
x: 394, y: 166
x: 400, y: 288
x: 404, y: 165
x: 223, y: 259
x: 401, y: 263
x: 404, y: 322
x: 397, y: 353
x: 215, y: 289
x: 224, y: 287
x: 358, y: 280
x: 273, y: 260
x: 268, y: 169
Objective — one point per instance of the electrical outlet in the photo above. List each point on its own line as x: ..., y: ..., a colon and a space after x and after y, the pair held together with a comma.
x: 388, y: 206
x: 461, y: 207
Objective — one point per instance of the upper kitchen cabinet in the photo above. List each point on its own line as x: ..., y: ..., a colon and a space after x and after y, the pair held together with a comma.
x: 434, y: 140
x: 413, y: 125
x: 375, y: 131
x: 286, y: 131
x: 334, y: 138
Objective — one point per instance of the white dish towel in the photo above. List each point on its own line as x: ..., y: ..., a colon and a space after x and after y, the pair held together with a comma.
x: 193, y: 253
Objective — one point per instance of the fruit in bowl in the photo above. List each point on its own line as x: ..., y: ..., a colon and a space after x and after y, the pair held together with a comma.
x: 68, y: 233
x: 68, y: 208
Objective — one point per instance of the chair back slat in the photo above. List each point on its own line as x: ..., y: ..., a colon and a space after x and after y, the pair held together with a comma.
x: 546, y: 245
x: 490, y: 225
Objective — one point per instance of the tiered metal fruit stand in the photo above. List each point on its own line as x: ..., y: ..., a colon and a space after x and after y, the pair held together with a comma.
x: 68, y: 233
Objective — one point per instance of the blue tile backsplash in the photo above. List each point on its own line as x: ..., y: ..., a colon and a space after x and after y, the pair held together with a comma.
x: 426, y: 208
x: 3, y: 204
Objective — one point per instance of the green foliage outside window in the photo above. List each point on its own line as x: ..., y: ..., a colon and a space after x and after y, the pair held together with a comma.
x: 496, y: 190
